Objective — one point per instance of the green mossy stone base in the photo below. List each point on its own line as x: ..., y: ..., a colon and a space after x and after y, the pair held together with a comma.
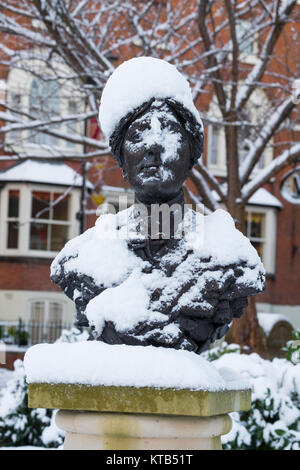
x: 137, y: 400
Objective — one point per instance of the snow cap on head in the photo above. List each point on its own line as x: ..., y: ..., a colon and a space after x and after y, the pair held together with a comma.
x: 135, y: 82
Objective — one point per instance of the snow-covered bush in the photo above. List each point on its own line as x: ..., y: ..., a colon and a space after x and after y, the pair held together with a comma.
x: 274, y: 419
x: 292, y: 348
x: 73, y: 336
x: 20, y: 425
x: 213, y: 354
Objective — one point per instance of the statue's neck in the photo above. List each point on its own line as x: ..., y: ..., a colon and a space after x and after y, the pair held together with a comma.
x: 177, y: 199
x: 161, y: 220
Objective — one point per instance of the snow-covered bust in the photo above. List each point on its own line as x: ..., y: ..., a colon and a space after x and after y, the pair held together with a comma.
x: 138, y: 278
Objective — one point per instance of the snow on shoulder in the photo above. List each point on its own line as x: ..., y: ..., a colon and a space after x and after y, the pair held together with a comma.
x: 224, y: 242
x: 135, y: 82
x: 98, y: 364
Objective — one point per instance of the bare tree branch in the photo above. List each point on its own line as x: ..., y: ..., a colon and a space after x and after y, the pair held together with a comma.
x: 280, y: 162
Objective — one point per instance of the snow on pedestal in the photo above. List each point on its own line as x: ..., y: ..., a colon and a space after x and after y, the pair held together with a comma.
x: 134, y: 397
x: 99, y: 364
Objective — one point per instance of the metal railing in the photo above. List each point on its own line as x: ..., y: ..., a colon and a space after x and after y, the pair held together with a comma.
x: 29, y: 333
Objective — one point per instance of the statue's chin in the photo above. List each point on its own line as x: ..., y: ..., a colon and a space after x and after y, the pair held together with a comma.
x: 154, y: 192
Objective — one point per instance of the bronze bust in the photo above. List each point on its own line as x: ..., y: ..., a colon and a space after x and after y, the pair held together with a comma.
x: 133, y: 281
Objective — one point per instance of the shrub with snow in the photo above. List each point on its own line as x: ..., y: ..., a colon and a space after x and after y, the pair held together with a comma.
x: 274, y: 419
x: 292, y: 348
x: 20, y: 425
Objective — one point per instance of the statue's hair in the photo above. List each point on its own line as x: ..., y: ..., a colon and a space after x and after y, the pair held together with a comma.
x: 184, y: 116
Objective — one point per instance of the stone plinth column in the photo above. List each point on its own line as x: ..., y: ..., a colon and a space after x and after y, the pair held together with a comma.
x: 118, y: 418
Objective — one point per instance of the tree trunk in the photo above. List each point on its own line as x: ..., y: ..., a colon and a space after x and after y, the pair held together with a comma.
x: 246, y: 331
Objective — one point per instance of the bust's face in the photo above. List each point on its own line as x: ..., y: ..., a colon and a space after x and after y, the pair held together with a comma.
x: 156, y: 154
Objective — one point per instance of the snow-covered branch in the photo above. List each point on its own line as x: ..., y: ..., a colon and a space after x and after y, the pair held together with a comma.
x: 280, y: 17
x: 280, y: 162
x: 204, y: 190
x: 210, y: 179
x: 265, y: 134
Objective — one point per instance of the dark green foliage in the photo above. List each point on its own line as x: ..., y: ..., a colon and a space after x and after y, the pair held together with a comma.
x: 21, y: 426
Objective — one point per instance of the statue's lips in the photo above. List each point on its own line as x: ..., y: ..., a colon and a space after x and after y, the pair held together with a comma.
x: 150, y: 170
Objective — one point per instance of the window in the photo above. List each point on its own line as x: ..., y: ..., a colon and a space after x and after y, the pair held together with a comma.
x: 44, y: 94
x: 37, y: 220
x: 245, y: 37
x: 261, y: 231
x: 49, y: 226
x: 46, y: 321
x: 16, y: 105
x: 256, y: 230
x: 72, y: 125
x: 213, y: 148
x: 216, y: 148
x: 12, y: 241
x: 43, y: 104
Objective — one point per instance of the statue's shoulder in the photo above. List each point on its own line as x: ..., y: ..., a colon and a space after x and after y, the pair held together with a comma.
x: 217, y: 246
x: 100, y: 253
x: 216, y: 236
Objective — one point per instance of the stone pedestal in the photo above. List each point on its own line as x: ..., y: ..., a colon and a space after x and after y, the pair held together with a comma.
x: 118, y: 418
x: 116, y: 431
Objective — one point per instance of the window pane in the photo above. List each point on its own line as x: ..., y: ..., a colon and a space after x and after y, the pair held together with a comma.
x: 261, y: 162
x: 13, y: 235
x: 15, y: 101
x: 43, y: 104
x: 40, y: 205
x: 71, y: 125
x: 54, y: 321
x: 59, y: 237
x: 36, y: 326
x: 37, y: 311
x: 38, y: 236
x: 257, y: 227
x: 13, y: 203
x: 61, y: 209
x: 55, y: 312
x: 259, y: 247
x: 246, y: 43
x: 214, y: 145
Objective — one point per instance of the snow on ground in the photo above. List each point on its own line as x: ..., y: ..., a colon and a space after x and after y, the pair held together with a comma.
x: 97, y: 363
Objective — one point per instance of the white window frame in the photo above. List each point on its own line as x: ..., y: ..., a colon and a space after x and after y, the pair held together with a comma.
x: 269, y: 249
x: 25, y: 218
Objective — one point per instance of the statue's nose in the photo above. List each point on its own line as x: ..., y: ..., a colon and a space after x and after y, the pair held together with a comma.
x: 153, y: 155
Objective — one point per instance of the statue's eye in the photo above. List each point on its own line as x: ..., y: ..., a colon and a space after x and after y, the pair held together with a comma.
x: 172, y: 127
x: 133, y: 135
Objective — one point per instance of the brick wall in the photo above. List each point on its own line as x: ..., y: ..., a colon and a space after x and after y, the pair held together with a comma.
x: 10, y: 358
x: 26, y: 274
